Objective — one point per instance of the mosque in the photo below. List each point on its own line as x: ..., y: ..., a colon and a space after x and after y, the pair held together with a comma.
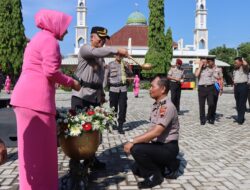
x: 134, y: 37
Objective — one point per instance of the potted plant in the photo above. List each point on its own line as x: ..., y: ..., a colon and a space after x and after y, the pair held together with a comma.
x: 79, y: 131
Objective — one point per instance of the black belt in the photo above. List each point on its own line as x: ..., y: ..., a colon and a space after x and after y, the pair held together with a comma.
x: 117, y: 84
x: 205, y: 85
x: 92, y: 85
x: 240, y: 83
x: 163, y: 143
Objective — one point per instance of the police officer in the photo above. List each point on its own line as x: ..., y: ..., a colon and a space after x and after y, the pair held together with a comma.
x: 218, y: 81
x: 176, y: 75
x: 248, y: 83
x: 205, y: 74
x: 240, y: 76
x: 116, y: 78
x: 90, y: 71
x: 158, y: 147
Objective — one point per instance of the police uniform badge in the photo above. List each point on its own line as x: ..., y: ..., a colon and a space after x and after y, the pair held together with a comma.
x: 163, y: 110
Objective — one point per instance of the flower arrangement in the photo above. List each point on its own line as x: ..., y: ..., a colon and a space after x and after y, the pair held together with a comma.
x: 74, y: 123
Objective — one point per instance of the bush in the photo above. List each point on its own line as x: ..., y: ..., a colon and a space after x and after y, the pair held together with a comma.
x: 145, y: 85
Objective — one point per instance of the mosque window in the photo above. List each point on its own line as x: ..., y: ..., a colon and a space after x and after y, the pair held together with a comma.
x: 80, y: 42
x: 81, y: 4
x: 202, y: 44
x: 202, y: 7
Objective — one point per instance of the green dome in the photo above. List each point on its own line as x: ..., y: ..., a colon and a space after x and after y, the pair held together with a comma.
x: 136, y: 18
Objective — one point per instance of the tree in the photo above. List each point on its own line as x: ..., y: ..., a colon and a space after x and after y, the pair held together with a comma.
x: 12, y: 37
x: 227, y: 55
x: 156, y: 25
x: 224, y: 54
x: 168, y: 48
x: 156, y: 38
x: 244, y: 51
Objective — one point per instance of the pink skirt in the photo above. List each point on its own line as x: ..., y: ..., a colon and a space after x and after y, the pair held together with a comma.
x: 37, y: 150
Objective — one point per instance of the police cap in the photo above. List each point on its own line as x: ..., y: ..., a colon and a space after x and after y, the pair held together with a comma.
x: 100, y: 31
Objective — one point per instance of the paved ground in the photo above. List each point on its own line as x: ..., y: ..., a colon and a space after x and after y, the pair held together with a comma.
x: 212, y: 156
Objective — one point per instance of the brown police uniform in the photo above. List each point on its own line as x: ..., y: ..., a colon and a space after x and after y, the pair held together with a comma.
x: 175, y: 86
x: 206, y: 90
x: 218, y: 75
x: 240, y: 77
x: 152, y: 158
x: 248, y: 83
x: 90, y: 70
x: 118, y: 88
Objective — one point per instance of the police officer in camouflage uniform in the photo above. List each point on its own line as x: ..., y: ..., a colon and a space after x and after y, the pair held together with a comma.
x: 175, y: 75
x: 240, y: 76
x: 158, y: 147
x: 206, y: 90
x: 116, y: 75
x: 90, y: 71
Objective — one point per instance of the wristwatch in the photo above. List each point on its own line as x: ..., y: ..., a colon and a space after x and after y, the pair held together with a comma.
x: 131, y: 141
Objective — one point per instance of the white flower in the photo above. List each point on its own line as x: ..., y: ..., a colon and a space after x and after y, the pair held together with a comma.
x: 88, y: 119
x: 77, y: 119
x: 104, y: 122
x: 75, y: 131
x: 96, y: 125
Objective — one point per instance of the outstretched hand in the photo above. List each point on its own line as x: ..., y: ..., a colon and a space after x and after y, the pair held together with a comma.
x: 76, y: 85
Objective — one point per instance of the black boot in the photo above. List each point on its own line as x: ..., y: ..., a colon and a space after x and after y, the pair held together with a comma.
x: 151, y: 181
x: 120, y: 129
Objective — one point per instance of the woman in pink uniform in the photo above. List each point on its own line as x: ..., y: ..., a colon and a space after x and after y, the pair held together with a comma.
x: 33, y: 100
x: 7, y: 84
x: 136, y: 86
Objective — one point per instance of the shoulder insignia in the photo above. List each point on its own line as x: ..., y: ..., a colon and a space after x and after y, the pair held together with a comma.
x: 163, y: 110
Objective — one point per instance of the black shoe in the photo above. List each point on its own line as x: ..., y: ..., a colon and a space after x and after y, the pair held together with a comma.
x: 211, y: 121
x: 120, y: 129
x: 203, y: 122
x: 97, y: 164
x: 150, y: 182
x: 171, y: 174
x: 241, y: 122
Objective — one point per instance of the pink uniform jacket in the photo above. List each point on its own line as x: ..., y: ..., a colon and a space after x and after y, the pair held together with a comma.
x: 35, y: 88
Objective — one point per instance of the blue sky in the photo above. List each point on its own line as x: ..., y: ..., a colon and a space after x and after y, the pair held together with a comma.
x: 228, y: 20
